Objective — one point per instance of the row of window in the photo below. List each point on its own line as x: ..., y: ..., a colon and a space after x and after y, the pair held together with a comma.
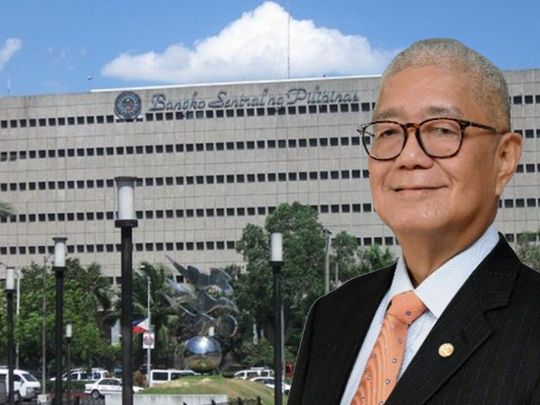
x: 179, y: 148
x: 525, y: 99
x: 180, y: 213
x: 229, y: 113
x: 189, y: 114
x: 528, y: 133
x: 519, y: 203
x: 222, y: 212
x: 190, y: 180
x: 213, y: 179
x: 112, y: 247
x: 197, y: 147
x: 200, y: 245
x: 159, y: 246
x: 209, y: 114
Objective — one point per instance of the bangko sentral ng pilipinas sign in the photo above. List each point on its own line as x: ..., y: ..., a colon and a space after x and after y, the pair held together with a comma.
x: 297, y: 95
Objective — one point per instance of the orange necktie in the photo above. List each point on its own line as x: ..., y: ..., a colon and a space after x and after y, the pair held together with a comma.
x: 382, y: 369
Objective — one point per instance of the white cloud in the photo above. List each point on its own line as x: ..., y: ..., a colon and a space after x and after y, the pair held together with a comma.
x: 10, y: 47
x: 255, y: 47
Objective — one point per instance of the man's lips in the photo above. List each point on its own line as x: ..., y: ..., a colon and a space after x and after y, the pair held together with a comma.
x: 416, y: 188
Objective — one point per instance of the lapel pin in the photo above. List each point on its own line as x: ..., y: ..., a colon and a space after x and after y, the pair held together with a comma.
x: 446, y: 350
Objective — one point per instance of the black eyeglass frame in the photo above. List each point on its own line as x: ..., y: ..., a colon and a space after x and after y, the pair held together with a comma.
x: 463, y: 124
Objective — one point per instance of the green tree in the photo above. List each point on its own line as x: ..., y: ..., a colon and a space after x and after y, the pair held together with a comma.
x: 344, y: 259
x: 349, y: 260
x: 302, y: 273
x: 262, y: 354
x: 163, y: 317
x: 6, y: 210
x: 529, y: 251
x: 87, y: 302
x: 302, y: 280
x: 374, y: 258
x: 86, y: 299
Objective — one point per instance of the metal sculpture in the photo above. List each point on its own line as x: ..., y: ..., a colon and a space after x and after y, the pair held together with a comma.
x: 204, y: 301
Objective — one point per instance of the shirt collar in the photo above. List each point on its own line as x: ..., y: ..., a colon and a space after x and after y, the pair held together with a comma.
x: 438, y: 289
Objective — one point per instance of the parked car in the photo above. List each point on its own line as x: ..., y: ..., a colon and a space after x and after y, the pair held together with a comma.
x: 82, y: 374
x: 269, y: 382
x: 253, y: 372
x: 105, y: 386
x: 168, y: 375
x: 25, y: 385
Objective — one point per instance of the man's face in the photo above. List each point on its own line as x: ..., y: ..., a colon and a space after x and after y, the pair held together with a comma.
x: 415, y: 194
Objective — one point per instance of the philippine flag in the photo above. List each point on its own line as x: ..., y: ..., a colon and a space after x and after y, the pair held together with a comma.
x: 140, y: 326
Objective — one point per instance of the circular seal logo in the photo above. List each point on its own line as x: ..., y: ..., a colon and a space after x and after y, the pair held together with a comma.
x: 127, y: 105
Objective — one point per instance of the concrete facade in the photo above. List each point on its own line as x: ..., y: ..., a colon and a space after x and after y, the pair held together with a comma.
x: 211, y: 159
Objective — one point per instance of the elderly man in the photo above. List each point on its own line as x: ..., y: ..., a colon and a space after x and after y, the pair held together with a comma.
x: 457, y: 319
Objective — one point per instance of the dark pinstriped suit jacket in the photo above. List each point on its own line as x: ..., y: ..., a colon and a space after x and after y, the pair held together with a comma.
x: 493, y: 323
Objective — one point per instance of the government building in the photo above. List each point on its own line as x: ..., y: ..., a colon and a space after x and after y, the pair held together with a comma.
x: 210, y: 159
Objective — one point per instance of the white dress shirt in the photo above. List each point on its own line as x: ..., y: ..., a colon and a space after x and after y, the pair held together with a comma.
x: 436, y: 292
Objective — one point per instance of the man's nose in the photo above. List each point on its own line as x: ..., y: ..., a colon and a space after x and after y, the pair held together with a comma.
x: 412, y: 153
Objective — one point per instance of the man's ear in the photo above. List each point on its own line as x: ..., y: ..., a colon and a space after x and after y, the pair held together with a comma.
x: 507, y: 155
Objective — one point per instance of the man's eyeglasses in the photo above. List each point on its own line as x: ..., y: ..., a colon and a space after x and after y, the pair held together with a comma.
x: 439, y: 137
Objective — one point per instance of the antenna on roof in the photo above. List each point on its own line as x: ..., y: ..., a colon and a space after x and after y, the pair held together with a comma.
x: 289, y: 42
x: 8, y: 84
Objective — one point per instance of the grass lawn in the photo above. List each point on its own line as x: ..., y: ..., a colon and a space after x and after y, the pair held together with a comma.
x: 216, y: 384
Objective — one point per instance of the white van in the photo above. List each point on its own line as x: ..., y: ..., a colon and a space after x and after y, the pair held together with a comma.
x: 168, y: 375
x: 82, y: 374
x: 253, y: 372
x: 25, y: 385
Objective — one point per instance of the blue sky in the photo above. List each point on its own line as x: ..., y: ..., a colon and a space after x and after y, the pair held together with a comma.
x: 72, y: 46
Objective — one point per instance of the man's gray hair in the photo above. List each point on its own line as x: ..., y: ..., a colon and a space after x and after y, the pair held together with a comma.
x: 489, y: 85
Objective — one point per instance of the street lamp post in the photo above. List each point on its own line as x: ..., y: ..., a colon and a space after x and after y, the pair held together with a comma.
x: 59, y: 270
x: 69, y: 335
x: 151, y: 330
x: 44, y: 326
x: 17, y: 312
x: 126, y: 221
x: 10, y: 290
x: 277, y: 261
x: 327, y: 260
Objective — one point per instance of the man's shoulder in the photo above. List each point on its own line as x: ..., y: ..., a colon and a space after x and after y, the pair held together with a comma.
x: 528, y: 279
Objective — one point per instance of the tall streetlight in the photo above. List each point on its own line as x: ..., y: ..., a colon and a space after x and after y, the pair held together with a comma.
x: 150, y: 329
x: 59, y: 270
x: 44, y: 328
x: 327, y: 234
x: 69, y: 335
x: 277, y: 261
x: 17, y: 306
x: 17, y: 312
x: 10, y: 290
x: 126, y: 221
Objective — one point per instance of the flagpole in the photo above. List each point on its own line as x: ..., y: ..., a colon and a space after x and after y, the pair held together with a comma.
x: 150, y: 330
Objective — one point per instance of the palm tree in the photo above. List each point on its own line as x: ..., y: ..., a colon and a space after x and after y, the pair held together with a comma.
x: 164, y: 318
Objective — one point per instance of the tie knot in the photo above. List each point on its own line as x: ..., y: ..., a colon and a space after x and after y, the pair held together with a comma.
x: 406, y: 307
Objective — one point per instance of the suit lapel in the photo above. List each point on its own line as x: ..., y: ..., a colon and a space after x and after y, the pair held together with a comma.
x: 463, y: 324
